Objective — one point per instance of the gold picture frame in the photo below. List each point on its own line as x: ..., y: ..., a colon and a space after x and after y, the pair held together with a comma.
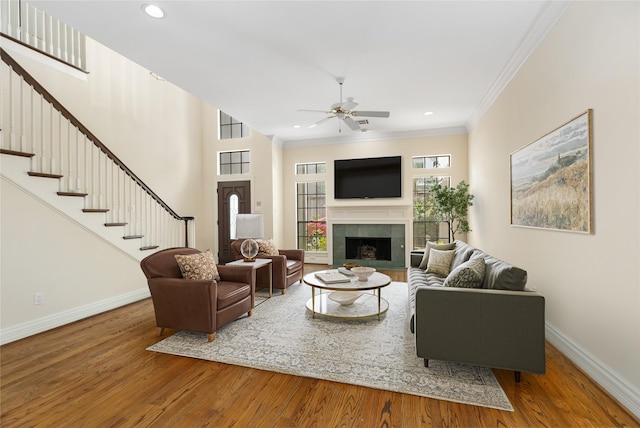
x: 551, y: 179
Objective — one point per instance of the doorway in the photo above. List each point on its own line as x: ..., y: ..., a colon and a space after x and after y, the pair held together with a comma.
x: 234, y: 197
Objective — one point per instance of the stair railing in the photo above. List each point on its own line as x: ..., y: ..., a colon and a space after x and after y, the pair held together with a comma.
x: 34, y: 124
x: 27, y: 25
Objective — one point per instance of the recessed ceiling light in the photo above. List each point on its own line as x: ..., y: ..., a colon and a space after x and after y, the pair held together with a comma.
x: 296, y: 126
x: 153, y: 11
x: 428, y: 113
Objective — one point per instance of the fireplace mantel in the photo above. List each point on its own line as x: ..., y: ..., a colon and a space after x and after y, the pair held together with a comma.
x: 369, y: 214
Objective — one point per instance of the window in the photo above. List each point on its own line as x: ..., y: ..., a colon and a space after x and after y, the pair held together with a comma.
x: 232, y: 128
x: 311, y: 216
x: 311, y: 168
x: 425, y: 226
x: 235, y: 162
x: 426, y: 162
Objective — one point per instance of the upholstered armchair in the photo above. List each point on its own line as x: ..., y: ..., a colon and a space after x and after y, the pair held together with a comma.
x: 287, y: 265
x: 199, y: 305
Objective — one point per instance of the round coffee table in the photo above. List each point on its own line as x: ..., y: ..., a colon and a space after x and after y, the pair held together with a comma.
x: 347, y: 300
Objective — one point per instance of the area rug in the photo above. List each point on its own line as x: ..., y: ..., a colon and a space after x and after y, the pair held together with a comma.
x: 281, y: 336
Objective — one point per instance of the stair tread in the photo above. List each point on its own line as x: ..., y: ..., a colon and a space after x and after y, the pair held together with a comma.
x: 115, y: 224
x: 44, y: 175
x: 95, y: 210
x: 79, y: 194
x: 17, y: 153
x: 133, y: 237
x: 150, y: 247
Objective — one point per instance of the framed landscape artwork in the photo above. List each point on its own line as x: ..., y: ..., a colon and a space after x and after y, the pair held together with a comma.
x: 551, y: 179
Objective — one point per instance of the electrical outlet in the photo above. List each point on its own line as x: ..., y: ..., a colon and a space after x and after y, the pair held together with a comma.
x: 38, y: 298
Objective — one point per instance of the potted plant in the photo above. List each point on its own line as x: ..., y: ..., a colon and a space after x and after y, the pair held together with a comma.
x: 451, y: 204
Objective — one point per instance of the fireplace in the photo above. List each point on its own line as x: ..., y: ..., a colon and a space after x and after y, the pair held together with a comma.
x: 381, y: 246
x: 359, y: 248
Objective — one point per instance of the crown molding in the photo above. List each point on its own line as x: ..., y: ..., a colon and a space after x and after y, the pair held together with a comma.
x: 378, y: 136
x: 547, y: 18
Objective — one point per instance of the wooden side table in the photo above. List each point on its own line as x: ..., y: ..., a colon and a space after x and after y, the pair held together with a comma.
x: 258, y: 264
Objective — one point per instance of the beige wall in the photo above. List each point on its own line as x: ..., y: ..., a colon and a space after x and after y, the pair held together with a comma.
x: 591, y: 282
x: 264, y: 168
x: 454, y: 145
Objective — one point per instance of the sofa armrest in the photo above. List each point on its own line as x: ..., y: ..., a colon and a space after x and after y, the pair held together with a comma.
x: 235, y: 273
x: 493, y: 328
x: 184, y: 304
x: 293, y: 254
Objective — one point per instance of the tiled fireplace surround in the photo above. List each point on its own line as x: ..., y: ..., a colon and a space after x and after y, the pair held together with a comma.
x: 368, y: 222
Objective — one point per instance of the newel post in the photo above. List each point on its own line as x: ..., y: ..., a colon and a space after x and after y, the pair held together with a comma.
x: 186, y: 229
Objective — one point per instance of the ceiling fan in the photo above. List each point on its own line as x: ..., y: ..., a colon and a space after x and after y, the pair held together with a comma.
x: 344, y: 111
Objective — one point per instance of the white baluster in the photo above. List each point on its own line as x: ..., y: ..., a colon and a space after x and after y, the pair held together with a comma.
x: 23, y: 132
x: 12, y: 137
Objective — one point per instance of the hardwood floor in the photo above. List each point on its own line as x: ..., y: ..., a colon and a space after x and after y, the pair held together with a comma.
x: 97, y: 373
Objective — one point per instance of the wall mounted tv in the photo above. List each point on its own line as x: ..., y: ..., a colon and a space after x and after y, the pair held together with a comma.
x: 368, y: 178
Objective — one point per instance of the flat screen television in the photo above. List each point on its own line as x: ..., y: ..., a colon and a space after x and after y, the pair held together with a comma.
x: 368, y: 178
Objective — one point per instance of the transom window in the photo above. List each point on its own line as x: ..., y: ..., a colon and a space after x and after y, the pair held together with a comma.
x: 232, y: 128
x: 234, y: 162
x: 311, y: 168
x: 427, y: 162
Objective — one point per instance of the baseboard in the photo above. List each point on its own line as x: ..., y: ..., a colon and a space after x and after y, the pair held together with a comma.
x: 20, y: 331
x: 628, y: 395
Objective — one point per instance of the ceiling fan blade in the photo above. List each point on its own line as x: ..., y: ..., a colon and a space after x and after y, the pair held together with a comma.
x: 349, y: 104
x: 351, y: 123
x: 318, y: 122
x: 370, y: 113
x: 314, y: 111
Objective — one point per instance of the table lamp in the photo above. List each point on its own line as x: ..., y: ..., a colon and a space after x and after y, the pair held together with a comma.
x: 249, y: 227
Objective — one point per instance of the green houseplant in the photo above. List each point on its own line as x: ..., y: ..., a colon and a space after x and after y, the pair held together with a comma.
x: 451, y: 204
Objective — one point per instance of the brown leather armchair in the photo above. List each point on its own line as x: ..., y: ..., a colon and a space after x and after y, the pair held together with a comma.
x: 196, y: 305
x: 287, y: 266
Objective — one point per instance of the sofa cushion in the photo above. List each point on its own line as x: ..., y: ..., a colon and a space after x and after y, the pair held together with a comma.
x: 463, y: 253
x: 469, y: 274
x: 199, y: 266
x: 293, y: 266
x: 440, y: 262
x: 500, y: 275
x: 266, y: 247
x: 430, y: 245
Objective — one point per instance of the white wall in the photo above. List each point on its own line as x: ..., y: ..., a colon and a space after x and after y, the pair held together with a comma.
x: 43, y: 251
x: 151, y: 125
x: 591, y: 282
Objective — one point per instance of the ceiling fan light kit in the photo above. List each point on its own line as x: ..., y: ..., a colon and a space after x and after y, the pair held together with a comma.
x: 344, y: 111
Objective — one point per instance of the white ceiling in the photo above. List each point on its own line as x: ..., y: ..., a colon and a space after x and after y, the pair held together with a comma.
x: 262, y: 61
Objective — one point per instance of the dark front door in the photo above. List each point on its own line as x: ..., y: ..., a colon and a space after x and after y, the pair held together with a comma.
x: 228, y: 193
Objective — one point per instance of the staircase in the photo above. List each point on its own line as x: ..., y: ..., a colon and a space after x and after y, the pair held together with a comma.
x: 47, y: 152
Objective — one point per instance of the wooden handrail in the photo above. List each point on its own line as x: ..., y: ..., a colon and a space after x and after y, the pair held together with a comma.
x: 73, y: 120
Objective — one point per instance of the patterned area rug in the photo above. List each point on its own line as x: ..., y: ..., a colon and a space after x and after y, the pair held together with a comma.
x: 281, y: 336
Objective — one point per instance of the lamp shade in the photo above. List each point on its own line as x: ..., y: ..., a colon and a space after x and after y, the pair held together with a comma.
x: 249, y: 226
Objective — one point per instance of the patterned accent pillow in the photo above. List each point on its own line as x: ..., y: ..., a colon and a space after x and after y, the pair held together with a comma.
x: 440, y: 261
x: 198, y: 266
x: 427, y: 250
x: 469, y: 274
x: 266, y: 247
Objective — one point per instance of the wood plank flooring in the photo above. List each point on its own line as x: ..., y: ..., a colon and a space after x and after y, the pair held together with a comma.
x: 97, y: 373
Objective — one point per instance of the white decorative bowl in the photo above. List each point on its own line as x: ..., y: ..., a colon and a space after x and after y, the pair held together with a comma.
x: 345, y: 297
x: 363, y: 273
